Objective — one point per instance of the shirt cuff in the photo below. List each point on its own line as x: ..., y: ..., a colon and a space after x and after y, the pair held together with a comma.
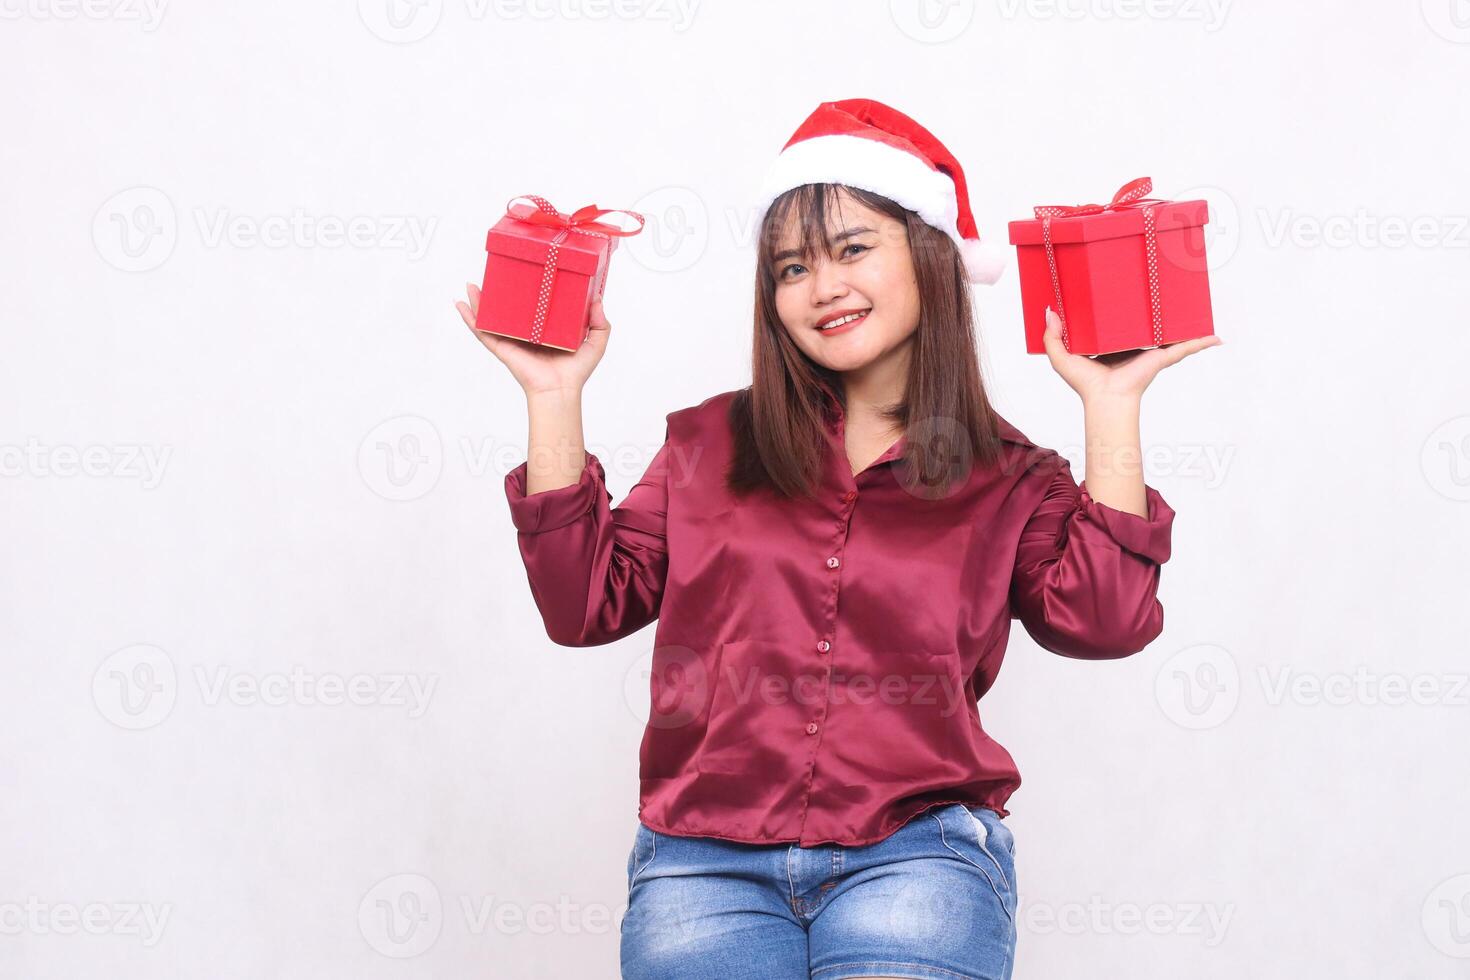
x: 1147, y: 536
x: 551, y: 509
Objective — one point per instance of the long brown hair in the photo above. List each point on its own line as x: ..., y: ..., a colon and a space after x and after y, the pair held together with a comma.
x: 778, y: 421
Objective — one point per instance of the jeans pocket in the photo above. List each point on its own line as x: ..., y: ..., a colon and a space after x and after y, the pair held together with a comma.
x: 998, y: 829
x: 992, y: 834
x: 645, y: 845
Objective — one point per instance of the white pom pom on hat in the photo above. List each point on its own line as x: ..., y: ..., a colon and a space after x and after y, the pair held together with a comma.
x: 865, y: 144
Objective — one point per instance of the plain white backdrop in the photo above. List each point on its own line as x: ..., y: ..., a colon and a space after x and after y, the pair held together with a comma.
x: 277, y: 701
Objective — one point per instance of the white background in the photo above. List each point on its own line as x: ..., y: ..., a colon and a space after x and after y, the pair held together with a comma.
x: 1275, y: 788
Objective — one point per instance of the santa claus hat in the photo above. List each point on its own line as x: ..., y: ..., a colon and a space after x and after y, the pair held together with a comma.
x: 866, y: 144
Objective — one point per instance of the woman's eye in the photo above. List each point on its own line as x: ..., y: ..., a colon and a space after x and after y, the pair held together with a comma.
x: 863, y: 248
x: 782, y: 273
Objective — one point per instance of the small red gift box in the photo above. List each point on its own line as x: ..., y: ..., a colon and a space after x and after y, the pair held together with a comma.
x: 1125, y: 275
x: 544, y: 268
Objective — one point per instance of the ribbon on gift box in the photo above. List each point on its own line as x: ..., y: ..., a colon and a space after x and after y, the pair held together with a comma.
x: 583, y: 221
x: 1133, y: 194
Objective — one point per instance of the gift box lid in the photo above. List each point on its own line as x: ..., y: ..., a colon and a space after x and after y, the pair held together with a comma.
x: 579, y: 252
x: 1110, y: 224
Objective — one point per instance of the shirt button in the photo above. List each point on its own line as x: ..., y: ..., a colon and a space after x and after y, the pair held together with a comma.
x: 833, y: 562
x: 823, y: 646
x: 811, y: 728
x: 850, y: 496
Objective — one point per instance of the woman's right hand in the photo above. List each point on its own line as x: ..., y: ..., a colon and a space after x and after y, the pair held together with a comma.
x: 539, y: 369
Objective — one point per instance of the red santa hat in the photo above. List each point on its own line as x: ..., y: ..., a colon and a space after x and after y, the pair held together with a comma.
x: 866, y: 144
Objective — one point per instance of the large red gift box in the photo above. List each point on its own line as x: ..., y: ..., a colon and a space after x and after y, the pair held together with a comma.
x: 1126, y: 275
x: 544, y: 268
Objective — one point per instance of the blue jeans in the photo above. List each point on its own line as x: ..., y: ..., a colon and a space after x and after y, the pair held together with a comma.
x: 935, y: 899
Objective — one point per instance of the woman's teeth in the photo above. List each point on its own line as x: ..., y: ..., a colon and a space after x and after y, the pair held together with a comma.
x: 841, y: 320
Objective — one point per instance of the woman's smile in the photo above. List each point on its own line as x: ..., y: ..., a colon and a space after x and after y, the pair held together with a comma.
x: 841, y: 323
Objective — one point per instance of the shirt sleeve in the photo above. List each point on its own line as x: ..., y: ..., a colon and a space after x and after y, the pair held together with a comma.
x: 1086, y: 577
x: 596, y: 571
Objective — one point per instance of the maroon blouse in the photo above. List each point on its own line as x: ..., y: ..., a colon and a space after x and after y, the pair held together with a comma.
x: 817, y: 663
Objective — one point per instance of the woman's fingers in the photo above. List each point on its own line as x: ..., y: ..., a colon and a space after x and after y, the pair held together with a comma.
x: 596, y: 318
x: 465, y: 313
x: 1179, y: 351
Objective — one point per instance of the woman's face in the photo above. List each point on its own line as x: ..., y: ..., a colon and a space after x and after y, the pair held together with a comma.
x: 867, y: 269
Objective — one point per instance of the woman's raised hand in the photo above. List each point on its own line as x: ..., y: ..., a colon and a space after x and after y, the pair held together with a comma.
x: 1122, y: 375
x: 540, y: 369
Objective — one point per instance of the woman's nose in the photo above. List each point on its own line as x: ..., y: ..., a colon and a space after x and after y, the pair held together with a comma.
x: 827, y: 282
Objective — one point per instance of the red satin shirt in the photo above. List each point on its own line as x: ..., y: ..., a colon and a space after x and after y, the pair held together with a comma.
x: 817, y: 664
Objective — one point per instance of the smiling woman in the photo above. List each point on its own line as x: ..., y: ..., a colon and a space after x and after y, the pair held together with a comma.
x: 835, y: 555
x: 857, y: 293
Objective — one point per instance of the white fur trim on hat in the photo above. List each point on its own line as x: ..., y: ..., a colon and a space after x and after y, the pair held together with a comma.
x: 896, y: 174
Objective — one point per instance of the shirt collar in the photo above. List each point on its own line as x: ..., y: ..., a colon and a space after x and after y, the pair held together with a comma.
x: 836, y: 413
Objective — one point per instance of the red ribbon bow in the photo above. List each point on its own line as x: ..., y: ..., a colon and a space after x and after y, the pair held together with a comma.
x: 1133, y: 194
x: 583, y: 221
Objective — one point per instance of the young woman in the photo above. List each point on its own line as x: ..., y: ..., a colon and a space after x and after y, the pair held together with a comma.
x: 834, y: 555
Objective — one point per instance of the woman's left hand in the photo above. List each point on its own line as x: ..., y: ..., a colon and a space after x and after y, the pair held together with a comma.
x: 1123, y: 375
